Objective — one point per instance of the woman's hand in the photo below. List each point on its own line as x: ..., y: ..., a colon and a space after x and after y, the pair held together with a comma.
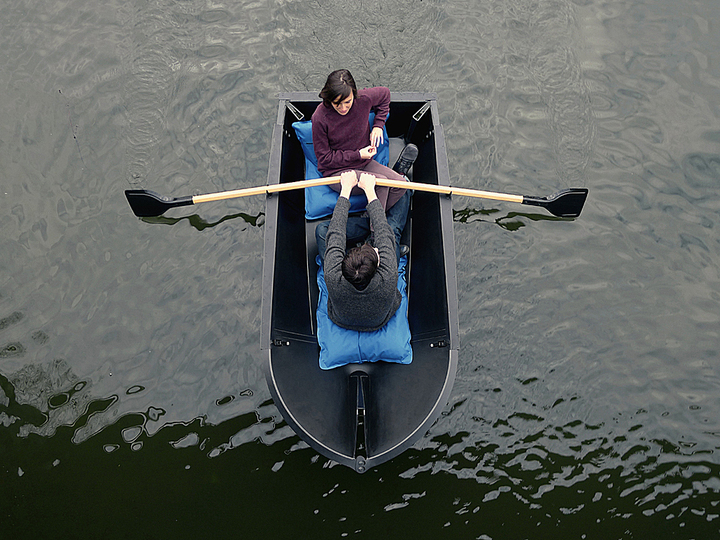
x: 376, y: 137
x: 368, y: 152
x: 367, y: 184
x: 348, y: 180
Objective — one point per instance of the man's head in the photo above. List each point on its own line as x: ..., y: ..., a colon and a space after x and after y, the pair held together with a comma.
x: 359, y: 266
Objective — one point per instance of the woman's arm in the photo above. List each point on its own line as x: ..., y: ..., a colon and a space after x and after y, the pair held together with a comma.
x: 376, y: 137
x: 380, y: 104
x: 329, y: 159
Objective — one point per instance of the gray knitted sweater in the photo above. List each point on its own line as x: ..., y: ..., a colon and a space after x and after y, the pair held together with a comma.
x: 371, y: 308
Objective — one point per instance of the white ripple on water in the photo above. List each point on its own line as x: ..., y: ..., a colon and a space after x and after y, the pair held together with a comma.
x: 399, y: 52
x: 534, y: 399
x: 519, y: 100
x: 150, y: 63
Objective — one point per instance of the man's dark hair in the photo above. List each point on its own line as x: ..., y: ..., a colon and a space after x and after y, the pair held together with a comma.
x: 359, y: 266
x: 338, y: 87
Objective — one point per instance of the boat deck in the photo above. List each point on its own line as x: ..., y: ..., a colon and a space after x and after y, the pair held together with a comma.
x: 361, y: 414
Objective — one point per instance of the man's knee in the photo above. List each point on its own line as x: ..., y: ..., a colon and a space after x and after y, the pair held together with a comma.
x: 321, y: 229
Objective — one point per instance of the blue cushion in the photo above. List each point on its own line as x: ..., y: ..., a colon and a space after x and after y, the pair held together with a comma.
x: 320, y: 200
x: 339, y: 346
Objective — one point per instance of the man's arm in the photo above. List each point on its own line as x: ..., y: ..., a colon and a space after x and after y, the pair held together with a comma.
x: 367, y: 184
x: 337, y: 231
x: 384, y: 237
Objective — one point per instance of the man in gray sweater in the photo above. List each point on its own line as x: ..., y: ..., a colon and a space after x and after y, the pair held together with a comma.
x: 362, y: 284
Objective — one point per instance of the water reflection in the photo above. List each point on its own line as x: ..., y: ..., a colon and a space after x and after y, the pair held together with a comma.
x: 586, y: 399
x: 25, y: 411
x: 552, y: 487
x: 200, y: 224
x: 507, y: 222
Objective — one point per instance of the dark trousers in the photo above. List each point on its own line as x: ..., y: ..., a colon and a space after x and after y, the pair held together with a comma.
x: 386, y: 195
x: 358, y: 228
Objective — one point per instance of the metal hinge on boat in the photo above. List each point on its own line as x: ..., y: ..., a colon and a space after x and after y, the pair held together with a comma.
x: 295, y: 111
x: 421, y: 111
x: 415, y: 119
x: 280, y: 343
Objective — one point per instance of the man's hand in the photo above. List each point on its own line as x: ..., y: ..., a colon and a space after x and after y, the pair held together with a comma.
x: 348, y: 180
x: 368, y: 152
x: 367, y: 184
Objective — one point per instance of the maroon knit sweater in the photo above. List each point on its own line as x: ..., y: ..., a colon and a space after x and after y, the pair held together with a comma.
x: 338, y: 139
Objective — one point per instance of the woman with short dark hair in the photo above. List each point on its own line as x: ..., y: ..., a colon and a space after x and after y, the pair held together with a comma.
x: 339, y: 84
x: 342, y: 137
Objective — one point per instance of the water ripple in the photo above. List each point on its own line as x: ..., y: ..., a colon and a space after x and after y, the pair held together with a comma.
x: 586, y: 397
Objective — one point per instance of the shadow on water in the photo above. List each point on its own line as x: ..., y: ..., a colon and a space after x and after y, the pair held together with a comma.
x: 200, y: 224
x: 641, y: 490
x: 193, y: 476
x: 508, y: 222
x: 109, y: 464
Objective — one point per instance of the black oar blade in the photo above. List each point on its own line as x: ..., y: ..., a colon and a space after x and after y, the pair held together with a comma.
x: 565, y: 203
x: 145, y: 203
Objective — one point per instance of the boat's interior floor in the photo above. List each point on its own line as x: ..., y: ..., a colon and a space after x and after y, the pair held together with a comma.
x: 364, y: 414
x: 396, y: 146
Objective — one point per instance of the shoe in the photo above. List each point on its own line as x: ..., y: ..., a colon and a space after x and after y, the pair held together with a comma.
x: 404, y: 250
x: 405, y: 160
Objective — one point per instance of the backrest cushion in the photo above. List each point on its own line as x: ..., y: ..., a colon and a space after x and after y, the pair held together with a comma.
x: 320, y: 200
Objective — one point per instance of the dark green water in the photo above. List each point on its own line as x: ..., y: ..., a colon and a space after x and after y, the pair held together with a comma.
x: 132, y: 399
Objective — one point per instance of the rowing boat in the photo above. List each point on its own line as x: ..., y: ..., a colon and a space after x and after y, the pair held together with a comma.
x: 360, y: 415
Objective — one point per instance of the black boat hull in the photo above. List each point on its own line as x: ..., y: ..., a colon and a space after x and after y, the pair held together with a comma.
x: 360, y: 415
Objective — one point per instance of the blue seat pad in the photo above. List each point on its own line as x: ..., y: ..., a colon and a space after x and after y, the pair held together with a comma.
x: 339, y: 346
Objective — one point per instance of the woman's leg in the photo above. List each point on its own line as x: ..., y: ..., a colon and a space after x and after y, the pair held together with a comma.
x: 387, y: 196
x: 355, y: 191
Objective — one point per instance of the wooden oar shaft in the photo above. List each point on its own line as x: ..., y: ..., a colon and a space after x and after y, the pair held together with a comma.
x: 448, y: 190
x: 259, y: 190
x: 431, y: 188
